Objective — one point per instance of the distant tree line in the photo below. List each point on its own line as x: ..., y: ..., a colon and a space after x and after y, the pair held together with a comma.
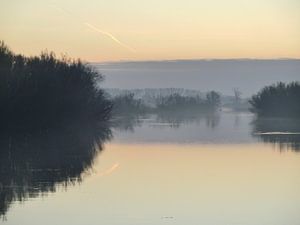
x: 279, y: 100
x: 178, y: 102
x: 129, y: 104
x: 44, y: 90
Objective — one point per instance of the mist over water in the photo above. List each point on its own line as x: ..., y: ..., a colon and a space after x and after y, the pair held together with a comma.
x: 231, y: 166
x: 205, y: 75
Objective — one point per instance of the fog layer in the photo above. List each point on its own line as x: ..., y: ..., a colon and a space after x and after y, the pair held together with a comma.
x: 220, y: 75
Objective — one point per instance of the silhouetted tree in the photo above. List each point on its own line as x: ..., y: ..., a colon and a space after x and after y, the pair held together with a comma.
x: 177, y: 102
x: 127, y: 104
x: 277, y: 100
x: 237, y: 95
x: 42, y: 91
x: 213, y: 99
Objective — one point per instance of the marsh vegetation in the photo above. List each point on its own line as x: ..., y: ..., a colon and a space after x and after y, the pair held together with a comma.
x: 278, y: 100
x: 54, y: 120
x: 45, y: 91
x: 128, y: 104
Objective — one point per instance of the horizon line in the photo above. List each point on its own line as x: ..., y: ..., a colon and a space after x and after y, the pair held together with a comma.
x: 200, y: 59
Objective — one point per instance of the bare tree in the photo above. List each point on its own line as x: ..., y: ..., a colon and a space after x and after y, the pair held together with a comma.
x: 237, y: 95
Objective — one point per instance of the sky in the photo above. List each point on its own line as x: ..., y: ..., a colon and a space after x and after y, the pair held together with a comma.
x: 118, y: 30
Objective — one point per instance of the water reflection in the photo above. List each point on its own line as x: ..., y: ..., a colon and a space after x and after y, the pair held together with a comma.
x: 165, y: 119
x: 282, y: 133
x: 178, y: 118
x: 221, y: 127
x: 127, y: 123
x: 35, y: 162
x: 185, y: 127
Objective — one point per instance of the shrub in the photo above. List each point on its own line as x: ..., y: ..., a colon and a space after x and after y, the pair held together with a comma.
x: 277, y: 100
x: 44, y: 90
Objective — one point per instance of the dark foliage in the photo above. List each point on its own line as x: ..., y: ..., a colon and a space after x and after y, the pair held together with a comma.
x: 53, y: 119
x: 277, y: 100
x: 213, y: 100
x: 43, y: 91
x: 176, y: 102
x: 127, y: 105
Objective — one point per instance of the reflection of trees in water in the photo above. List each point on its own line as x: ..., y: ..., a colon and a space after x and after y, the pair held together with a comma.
x: 176, y: 119
x: 34, y: 162
x: 212, y: 120
x: 237, y: 120
x: 127, y: 123
x: 283, y: 133
x: 167, y: 118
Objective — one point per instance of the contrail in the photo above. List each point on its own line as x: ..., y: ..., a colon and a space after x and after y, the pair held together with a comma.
x: 92, y: 27
x: 109, y: 171
x: 110, y: 36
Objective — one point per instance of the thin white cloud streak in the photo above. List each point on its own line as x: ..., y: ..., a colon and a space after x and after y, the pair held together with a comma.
x: 92, y: 27
x: 109, y: 170
x: 96, y: 29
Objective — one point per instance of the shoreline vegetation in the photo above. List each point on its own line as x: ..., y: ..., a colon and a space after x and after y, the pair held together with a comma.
x: 277, y: 100
x: 44, y: 91
x: 128, y: 104
x: 54, y: 121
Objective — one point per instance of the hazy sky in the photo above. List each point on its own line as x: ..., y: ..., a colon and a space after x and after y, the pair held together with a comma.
x: 98, y: 30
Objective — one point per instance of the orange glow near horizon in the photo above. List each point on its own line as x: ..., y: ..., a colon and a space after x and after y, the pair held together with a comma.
x: 142, y: 30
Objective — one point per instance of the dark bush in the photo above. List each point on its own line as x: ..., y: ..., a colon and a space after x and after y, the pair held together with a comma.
x: 277, y: 100
x: 178, y: 102
x: 127, y: 104
x: 44, y: 90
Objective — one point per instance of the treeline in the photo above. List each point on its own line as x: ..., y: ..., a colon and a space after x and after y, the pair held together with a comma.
x: 279, y: 100
x: 129, y: 104
x: 177, y: 102
x: 44, y: 90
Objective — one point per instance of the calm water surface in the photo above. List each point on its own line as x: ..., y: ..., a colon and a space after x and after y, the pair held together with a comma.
x: 222, y: 169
